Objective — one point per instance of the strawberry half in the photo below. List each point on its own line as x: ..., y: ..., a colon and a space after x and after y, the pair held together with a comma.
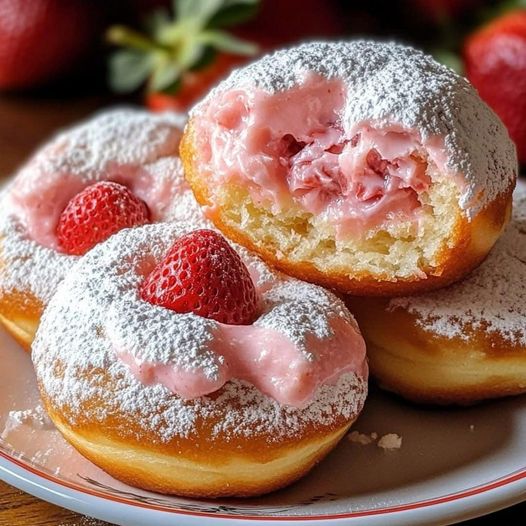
x: 203, y: 274
x: 95, y: 214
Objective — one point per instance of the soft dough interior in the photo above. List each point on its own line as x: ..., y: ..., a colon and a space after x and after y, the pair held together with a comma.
x: 286, y: 170
x: 395, y: 250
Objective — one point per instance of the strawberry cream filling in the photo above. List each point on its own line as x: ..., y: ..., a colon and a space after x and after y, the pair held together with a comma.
x: 129, y: 147
x: 267, y: 359
x: 294, y: 144
x: 303, y: 338
x: 40, y: 197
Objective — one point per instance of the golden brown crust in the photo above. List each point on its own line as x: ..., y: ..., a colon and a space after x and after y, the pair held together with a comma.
x: 204, y: 463
x: 119, y: 425
x: 427, y: 368
x: 20, y: 315
x: 472, y: 240
x: 237, y: 472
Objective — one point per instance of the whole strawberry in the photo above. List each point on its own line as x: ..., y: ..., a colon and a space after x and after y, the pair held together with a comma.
x: 40, y: 39
x: 203, y: 274
x: 495, y: 63
x: 95, y: 214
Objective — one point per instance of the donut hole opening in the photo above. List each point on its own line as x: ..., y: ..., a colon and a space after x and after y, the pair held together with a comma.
x: 296, y: 179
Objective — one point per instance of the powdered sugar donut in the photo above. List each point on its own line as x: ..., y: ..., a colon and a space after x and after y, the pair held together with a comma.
x: 179, y: 403
x: 461, y: 344
x: 131, y: 147
x: 363, y: 166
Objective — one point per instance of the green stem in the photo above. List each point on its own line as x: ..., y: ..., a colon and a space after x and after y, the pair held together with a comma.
x: 123, y: 36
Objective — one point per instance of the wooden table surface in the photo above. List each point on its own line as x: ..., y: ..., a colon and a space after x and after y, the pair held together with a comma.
x: 25, y: 123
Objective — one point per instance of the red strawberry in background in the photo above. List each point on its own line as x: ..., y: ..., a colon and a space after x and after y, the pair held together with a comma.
x: 95, y: 214
x: 40, y: 39
x: 203, y: 274
x: 495, y: 63
x: 195, y: 86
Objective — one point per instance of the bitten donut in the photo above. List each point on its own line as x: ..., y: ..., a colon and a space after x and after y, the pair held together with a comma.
x: 461, y: 344
x: 118, y: 169
x: 366, y: 167
x: 176, y: 402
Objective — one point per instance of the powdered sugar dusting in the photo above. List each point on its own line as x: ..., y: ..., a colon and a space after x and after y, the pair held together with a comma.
x: 492, y: 298
x: 91, y: 151
x: 390, y: 84
x: 28, y: 266
x: 259, y: 414
x: 389, y: 441
x: 122, y: 136
x: 96, y: 312
x: 36, y: 418
x: 297, y: 309
x: 84, y: 521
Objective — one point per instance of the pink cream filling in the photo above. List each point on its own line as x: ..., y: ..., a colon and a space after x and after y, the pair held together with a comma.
x: 268, y: 360
x: 292, y: 144
x: 264, y: 357
x: 39, y: 197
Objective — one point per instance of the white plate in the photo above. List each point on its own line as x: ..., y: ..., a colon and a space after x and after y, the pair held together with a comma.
x: 452, y: 465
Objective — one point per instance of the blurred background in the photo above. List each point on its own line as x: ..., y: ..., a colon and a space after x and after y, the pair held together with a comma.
x: 62, y: 59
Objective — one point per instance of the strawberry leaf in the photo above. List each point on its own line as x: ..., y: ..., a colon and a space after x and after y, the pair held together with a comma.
x: 234, y: 12
x: 123, y: 36
x: 216, y: 13
x: 190, y: 52
x: 165, y: 75
x: 156, y: 20
x: 206, y: 59
x: 198, y: 10
x: 175, y: 46
x: 128, y: 70
x: 224, y: 41
x: 173, y: 88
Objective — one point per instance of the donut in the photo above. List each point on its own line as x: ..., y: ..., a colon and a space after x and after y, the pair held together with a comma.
x: 461, y: 344
x: 182, y: 404
x: 132, y: 148
x: 362, y: 166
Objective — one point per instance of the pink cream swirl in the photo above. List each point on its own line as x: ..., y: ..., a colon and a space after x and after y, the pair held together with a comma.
x: 295, y: 147
x: 303, y: 339
x: 130, y: 147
